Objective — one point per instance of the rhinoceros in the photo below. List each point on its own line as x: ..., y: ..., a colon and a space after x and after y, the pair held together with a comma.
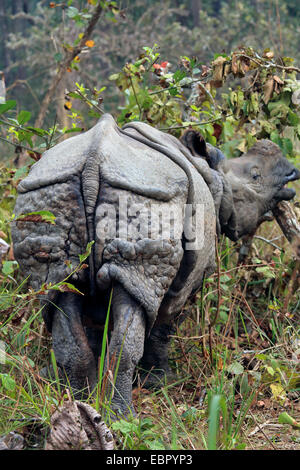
x: 153, y: 205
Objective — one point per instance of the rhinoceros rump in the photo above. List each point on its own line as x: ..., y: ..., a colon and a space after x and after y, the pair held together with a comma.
x: 153, y: 208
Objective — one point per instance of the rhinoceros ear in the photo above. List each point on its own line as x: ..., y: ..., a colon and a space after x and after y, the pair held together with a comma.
x: 227, y: 213
x: 196, y: 144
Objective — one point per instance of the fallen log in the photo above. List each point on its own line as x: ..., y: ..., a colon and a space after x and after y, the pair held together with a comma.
x: 289, y: 224
x: 287, y: 220
x: 78, y: 426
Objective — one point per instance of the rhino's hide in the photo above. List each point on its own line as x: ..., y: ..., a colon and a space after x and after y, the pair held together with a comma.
x: 82, y: 181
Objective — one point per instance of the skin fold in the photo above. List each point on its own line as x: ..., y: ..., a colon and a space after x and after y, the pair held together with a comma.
x: 82, y: 181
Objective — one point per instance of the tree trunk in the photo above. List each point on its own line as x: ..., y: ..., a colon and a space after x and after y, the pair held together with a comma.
x: 61, y: 112
x: 195, y: 9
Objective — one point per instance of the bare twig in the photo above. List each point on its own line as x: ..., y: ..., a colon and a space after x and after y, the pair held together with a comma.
x: 17, y: 144
x: 262, y: 431
x: 98, y: 108
x: 191, y: 124
x: 69, y: 57
x: 269, y: 64
x: 249, y: 309
x: 292, y: 285
x: 24, y: 82
x: 269, y: 242
x: 213, y: 321
x: 135, y: 96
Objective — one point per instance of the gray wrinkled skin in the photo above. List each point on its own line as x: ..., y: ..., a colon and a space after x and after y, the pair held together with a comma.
x: 79, y: 180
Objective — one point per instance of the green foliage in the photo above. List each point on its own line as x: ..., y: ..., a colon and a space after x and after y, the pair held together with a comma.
x: 138, y: 434
x: 262, y: 104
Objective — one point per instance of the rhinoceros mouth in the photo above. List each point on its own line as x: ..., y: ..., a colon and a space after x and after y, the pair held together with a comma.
x: 285, y: 193
x: 292, y: 176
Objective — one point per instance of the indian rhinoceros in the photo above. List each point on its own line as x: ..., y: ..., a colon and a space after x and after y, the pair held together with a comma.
x: 153, y: 207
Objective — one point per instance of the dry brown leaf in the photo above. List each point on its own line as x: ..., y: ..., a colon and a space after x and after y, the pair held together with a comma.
x: 218, y: 69
x: 234, y: 64
x: 268, y: 89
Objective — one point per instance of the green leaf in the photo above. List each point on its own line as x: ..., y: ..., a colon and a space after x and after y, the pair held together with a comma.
x: 8, y: 382
x: 261, y: 357
x: 268, y: 126
x: 228, y: 130
x: 74, y: 129
x: 66, y: 287
x: 173, y: 91
x: 87, y: 253
x: 196, y: 70
x: 270, y: 370
x: 217, y: 403
x: 38, y: 131
x: 285, y: 418
x: 73, y: 12
x: 266, y: 271
x: 155, y: 445
x: 278, y: 109
x: 43, y: 216
x: 179, y: 75
x: 8, y: 267
x: 185, y: 81
x: 72, y: 94
x: 23, y: 117
x: 225, y: 278
x: 7, y: 106
x: 287, y: 146
x: 114, y: 76
x: 275, y: 138
x: 235, y: 368
x: 293, y: 118
x: 125, y: 427
x: 58, y: 57
x: 21, y: 172
x: 278, y: 392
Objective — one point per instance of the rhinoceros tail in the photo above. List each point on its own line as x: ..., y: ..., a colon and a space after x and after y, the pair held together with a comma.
x: 90, y: 188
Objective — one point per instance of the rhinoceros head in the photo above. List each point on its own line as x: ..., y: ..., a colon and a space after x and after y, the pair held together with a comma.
x: 254, y: 183
x: 258, y: 182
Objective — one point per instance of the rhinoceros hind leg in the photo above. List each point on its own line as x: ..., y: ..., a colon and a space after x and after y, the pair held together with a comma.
x: 73, y: 354
x: 126, y: 347
x: 154, y: 367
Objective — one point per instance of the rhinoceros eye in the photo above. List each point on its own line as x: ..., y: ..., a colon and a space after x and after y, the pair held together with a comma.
x: 255, y: 174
